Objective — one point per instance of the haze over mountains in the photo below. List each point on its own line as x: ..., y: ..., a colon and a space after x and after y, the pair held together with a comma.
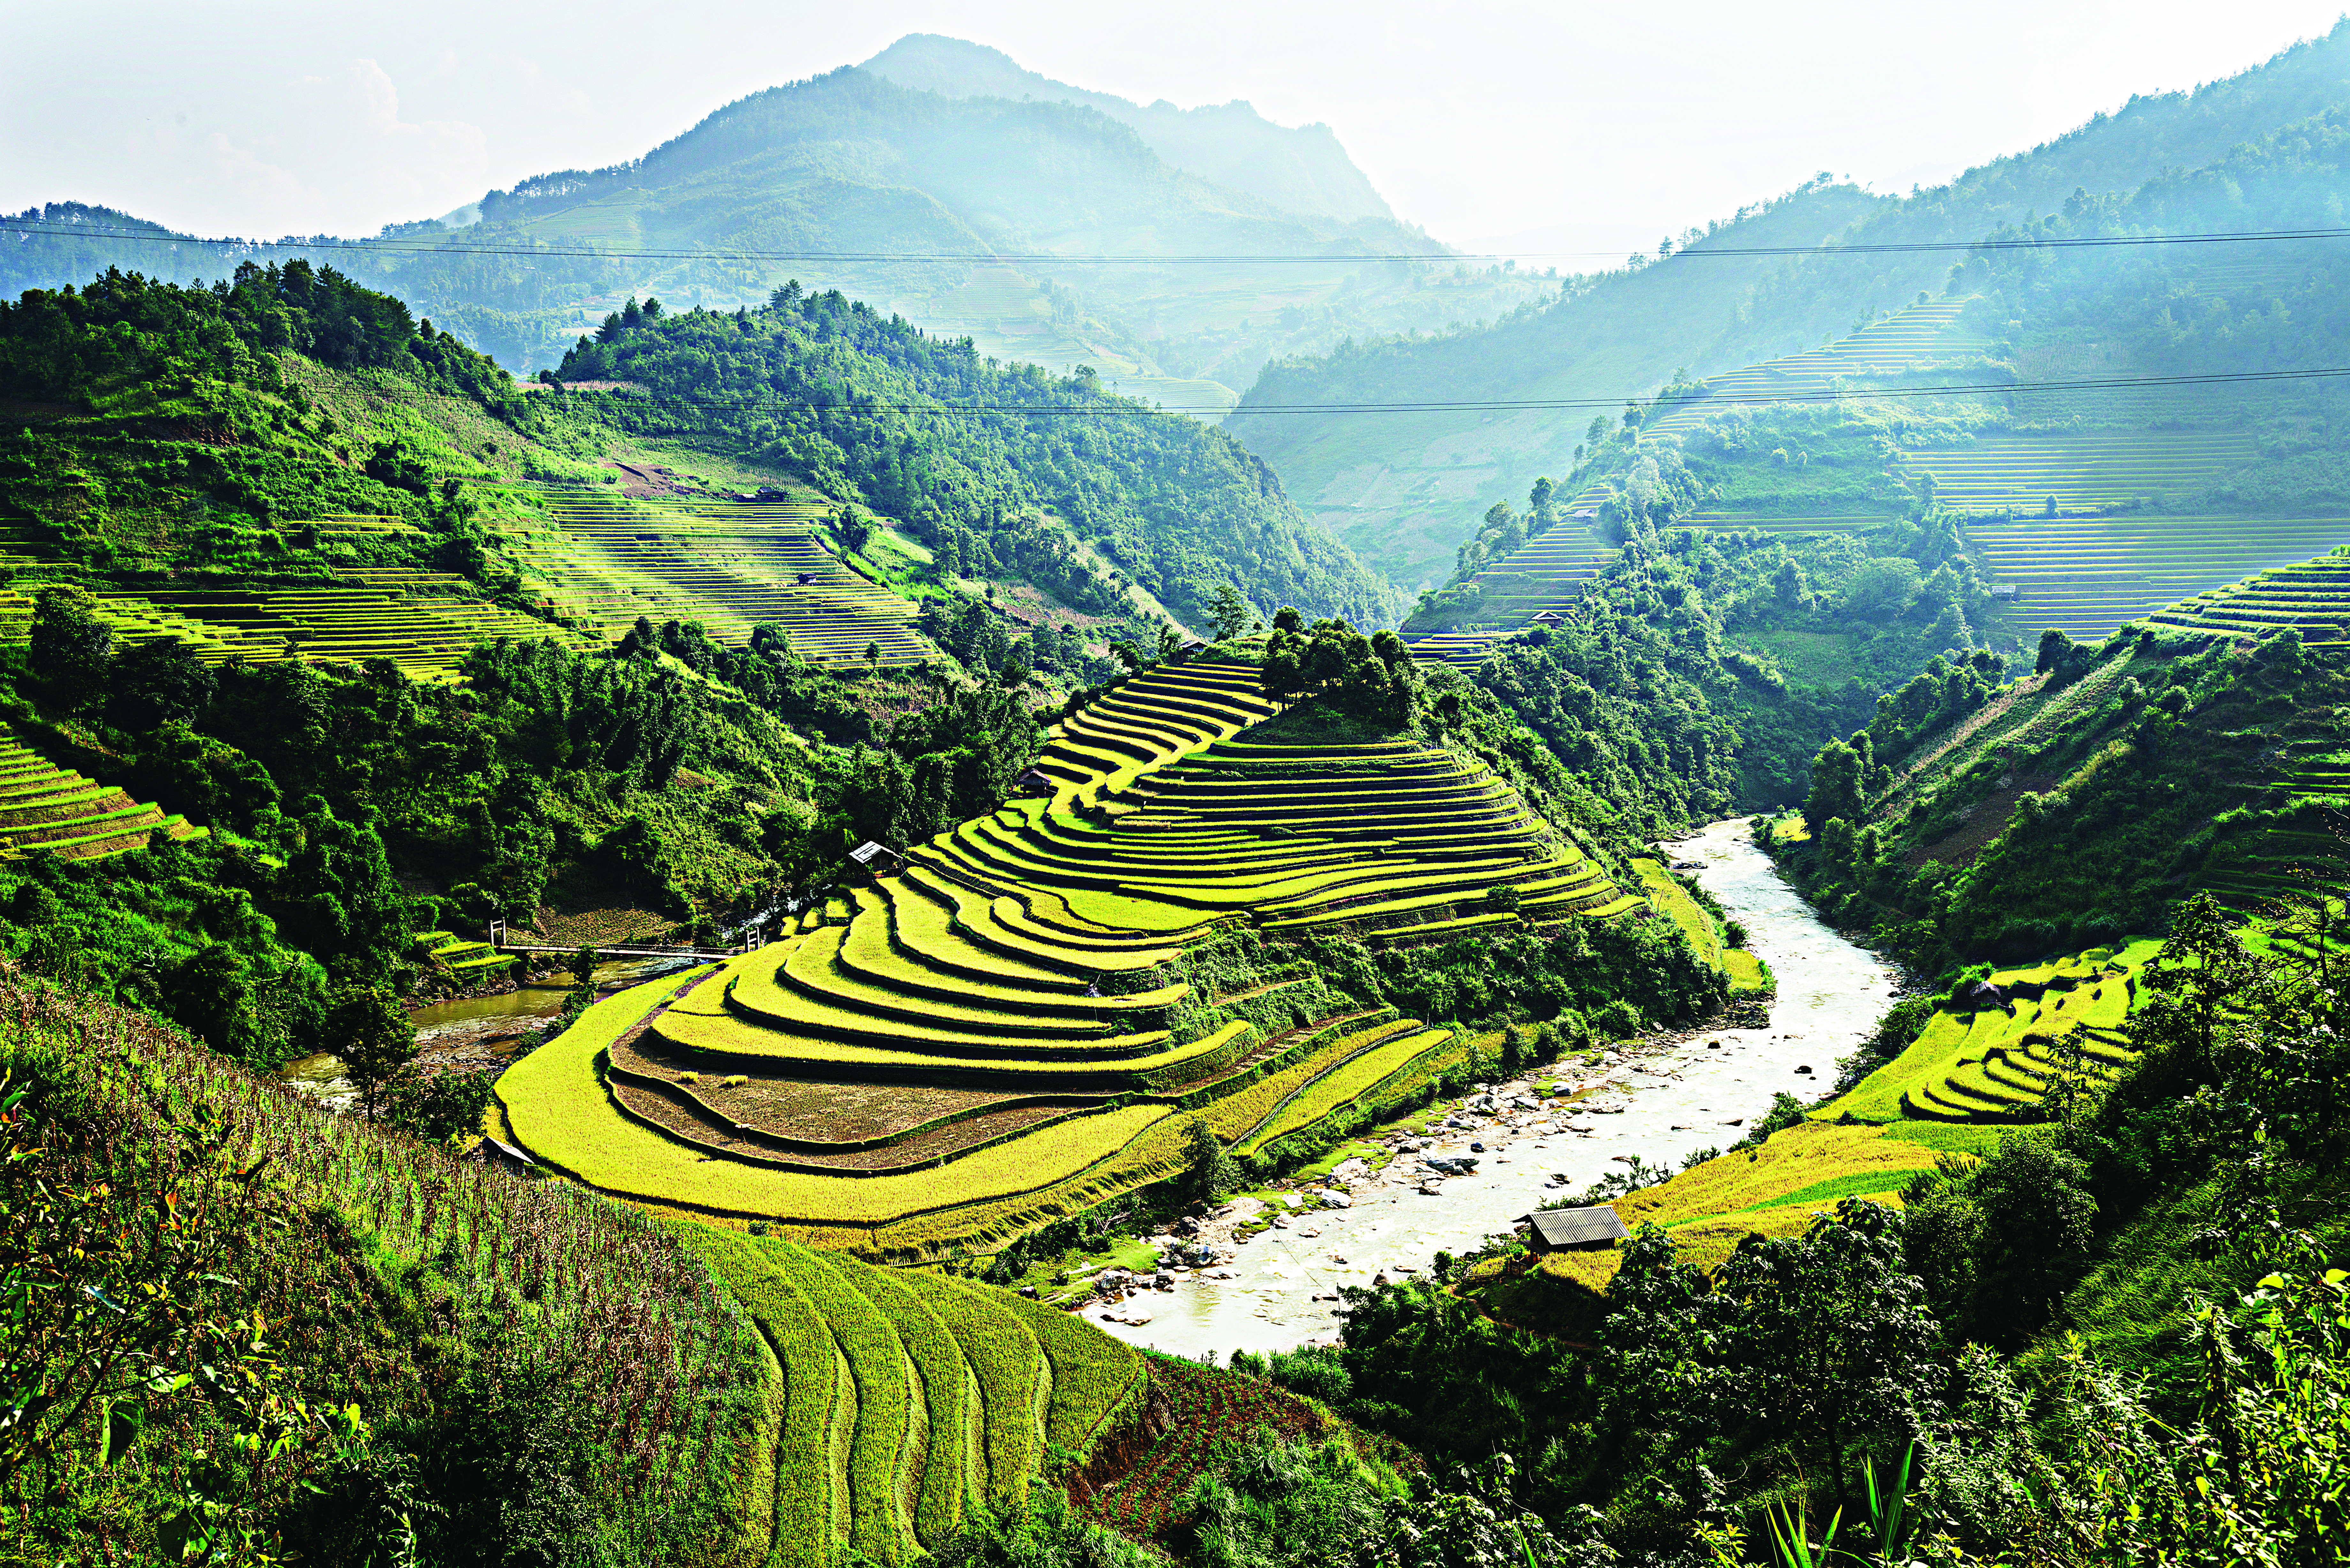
x: 1302, y: 169
x: 851, y: 179
x: 1404, y: 488
x: 1100, y: 208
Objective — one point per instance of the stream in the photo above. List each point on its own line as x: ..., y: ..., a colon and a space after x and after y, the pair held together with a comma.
x: 1677, y: 1097
x: 474, y: 1033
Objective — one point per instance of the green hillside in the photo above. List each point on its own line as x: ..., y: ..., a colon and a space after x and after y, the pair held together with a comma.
x: 2079, y: 803
x: 961, y: 448
x: 393, y: 1349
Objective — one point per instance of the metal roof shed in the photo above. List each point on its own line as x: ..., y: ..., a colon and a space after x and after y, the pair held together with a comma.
x: 1557, y: 1229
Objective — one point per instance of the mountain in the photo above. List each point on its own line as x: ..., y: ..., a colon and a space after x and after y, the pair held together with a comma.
x: 1302, y: 169
x: 1403, y: 489
x: 1063, y: 238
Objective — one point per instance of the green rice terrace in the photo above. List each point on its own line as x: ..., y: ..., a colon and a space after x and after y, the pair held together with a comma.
x: 1984, y: 1061
x: 49, y: 810
x: 2076, y: 521
x: 730, y: 565
x: 423, y: 621
x: 2313, y: 598
x: 909, y: 1401
x: 1990, y: 1054
x: 1012, y: 1021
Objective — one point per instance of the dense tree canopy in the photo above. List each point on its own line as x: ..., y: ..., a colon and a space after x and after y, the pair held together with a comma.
x: 1035, y: 471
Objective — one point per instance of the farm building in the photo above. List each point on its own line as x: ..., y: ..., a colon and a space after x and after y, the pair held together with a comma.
x: 1572, y: 1229
x: 878, y: 858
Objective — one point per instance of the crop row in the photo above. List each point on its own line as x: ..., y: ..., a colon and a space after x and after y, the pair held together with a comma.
x: 909, y: 1400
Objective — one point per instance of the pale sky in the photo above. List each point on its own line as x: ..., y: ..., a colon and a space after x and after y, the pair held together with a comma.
x: 1590, y: 126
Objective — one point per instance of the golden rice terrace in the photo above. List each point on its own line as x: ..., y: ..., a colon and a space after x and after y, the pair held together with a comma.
x: 1018, y: 1020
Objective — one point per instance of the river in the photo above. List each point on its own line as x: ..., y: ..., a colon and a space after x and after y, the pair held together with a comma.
x: 1678, y: 1096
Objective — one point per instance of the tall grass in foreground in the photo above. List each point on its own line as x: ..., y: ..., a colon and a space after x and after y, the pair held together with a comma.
x: 383, y: 1273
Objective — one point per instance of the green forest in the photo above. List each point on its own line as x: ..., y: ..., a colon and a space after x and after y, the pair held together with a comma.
x: 1029, y: 467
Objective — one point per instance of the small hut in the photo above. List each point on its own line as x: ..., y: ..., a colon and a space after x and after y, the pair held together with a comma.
x: 1035, y: 781
x: 1983, y: 993
x: 878, y: 858
x: 1574, y: 1229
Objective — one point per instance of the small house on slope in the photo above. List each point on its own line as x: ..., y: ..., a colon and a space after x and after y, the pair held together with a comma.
x: 1574, y: 1229
x: 878, y: 858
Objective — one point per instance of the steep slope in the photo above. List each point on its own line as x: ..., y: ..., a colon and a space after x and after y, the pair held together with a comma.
x: 1032, y: 473
x: 1302, y: 169
x: 2080, y: 804
x: 1425, y: 474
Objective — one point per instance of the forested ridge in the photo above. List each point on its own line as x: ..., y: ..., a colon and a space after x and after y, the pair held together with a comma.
x: 925, y: 429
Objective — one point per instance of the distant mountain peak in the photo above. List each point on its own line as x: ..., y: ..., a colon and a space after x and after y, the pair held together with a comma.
x: 1300, y: 169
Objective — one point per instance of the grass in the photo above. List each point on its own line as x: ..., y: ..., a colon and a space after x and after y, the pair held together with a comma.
x: 1356, y: 1078
x: 48, y: 809
x: 950, y: 1398
x: 1668, y: 896
x: 1772, y: 1192
x: 808, y: 1476
x: 558, y: 1108
x: 1969, y: 1065
x: 1093, y: 1376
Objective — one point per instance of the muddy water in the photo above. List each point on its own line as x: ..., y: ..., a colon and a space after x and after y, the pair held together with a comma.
x: 478, y: 1032
x: 1670, y: 1099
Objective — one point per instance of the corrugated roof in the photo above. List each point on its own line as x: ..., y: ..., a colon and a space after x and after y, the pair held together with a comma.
x: 1577, y: 1227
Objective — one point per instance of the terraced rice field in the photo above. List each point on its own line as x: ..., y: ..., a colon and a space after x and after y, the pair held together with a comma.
x: 2080, y: 468
x: 407, y: 618
x: 908, y: 1402
x: 2313, y: 596
x: 49, y: 810
x: 1994, y: 1063
x: 1545, y: 573
x: 729, y: 564
x: 2089, y: 576
x: 1009, y: 1018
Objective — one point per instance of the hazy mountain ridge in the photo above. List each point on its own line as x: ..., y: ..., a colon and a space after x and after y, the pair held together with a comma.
x: 1300, y: 169
x: 1679, y: 314
x: 846, y: 181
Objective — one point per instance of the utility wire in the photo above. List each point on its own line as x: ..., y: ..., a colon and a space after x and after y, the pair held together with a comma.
x: 407, y: 246
x: 1129, y: 407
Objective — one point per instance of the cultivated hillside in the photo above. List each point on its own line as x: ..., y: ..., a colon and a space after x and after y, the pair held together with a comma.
x: 1209, y: 918
x: 1401, y: 501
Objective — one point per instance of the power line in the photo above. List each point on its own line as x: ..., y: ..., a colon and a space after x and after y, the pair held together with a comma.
x: 1009, y: 258
x: 1129, y: 407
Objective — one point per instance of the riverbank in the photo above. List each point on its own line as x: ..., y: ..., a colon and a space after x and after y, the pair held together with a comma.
x: 1658, y: 1101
